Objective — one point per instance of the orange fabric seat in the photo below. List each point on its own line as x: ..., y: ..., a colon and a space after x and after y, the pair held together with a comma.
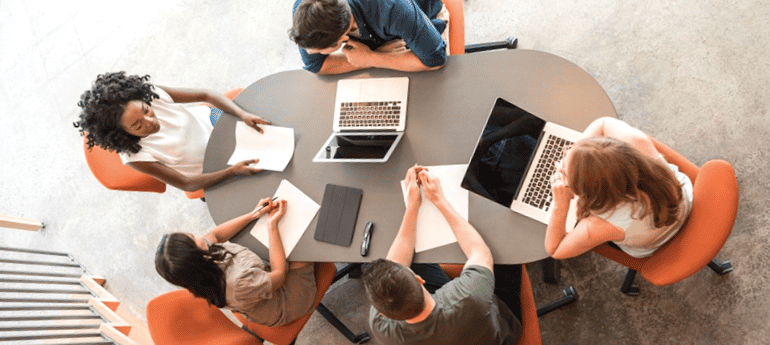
x: 714, y: 209
x: 110, y: 171
x: 177, y: 317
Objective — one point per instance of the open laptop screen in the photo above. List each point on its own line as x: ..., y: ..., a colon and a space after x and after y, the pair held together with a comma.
x: 503, y: 153
x: 358, y: 147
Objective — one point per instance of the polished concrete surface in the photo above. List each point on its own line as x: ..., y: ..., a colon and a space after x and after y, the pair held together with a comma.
x: 694, y: 74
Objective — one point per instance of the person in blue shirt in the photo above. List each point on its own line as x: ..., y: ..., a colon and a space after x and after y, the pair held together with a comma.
x: 403, y: 35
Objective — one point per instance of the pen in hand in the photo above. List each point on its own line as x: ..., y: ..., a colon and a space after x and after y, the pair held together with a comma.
x: 255, y: 212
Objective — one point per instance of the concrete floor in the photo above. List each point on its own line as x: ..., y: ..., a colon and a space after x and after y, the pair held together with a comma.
x: 694, y: 74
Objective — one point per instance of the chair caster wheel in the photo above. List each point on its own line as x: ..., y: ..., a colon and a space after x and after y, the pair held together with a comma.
x: 721, y: 268
x: 633, y: 290
x: 362, y: 338
x: 570, y: 293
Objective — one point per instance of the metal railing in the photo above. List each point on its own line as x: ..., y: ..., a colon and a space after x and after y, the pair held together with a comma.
x: 42, y: 300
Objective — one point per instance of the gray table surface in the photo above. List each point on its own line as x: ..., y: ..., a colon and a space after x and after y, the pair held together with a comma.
x: 447, y: 110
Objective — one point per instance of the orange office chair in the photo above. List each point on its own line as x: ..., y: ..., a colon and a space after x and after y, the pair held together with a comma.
x: 178, y: 317
x: 326, y: 274
x: 529, y: 312
x: 457, y: 32
x: 110, y: 171
x: 714, y: 209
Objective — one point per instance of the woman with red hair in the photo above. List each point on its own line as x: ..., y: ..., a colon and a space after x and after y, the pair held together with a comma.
x: 618, y: 177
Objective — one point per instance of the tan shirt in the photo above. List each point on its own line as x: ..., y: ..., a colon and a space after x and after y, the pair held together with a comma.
x: 248, y: 288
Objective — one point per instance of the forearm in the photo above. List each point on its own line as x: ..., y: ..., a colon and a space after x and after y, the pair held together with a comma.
x: 225, y: 231
x: 402, y: 249
x: 277, y: 254
x: 221, y: 102
x: 557, y: 228
x: 405, y: 61
x: 204, y: 181
x: 337, y: 63
x: 187, y: 183
x: 470, y: 241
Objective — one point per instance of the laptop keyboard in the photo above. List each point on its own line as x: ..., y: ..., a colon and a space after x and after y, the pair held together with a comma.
x: 370, y: 114
x: 538, y: 192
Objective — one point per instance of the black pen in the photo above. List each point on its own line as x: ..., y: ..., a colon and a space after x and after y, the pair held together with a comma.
x: 264, y: 205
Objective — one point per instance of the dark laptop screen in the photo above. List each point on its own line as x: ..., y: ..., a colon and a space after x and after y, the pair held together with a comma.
x: 503, y: 153
x: 360, y: 146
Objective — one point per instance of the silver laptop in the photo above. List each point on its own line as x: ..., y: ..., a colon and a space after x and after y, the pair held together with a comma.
x: 515, y: 158
x: 369, y: 120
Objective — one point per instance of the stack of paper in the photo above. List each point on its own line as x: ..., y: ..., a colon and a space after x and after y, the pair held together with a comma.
x: 274, y: 147
x: 300, y: 211
x: 433, y: 230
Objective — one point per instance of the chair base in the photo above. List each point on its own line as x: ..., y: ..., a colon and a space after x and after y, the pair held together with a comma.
x: 569, y: 295
x: 509, y: 43
x: 629, y: 287
x: 550, y: 271
x: 329, y: 316
x: 361, y: 338
x: 721, y: 268
x: 632, y: 289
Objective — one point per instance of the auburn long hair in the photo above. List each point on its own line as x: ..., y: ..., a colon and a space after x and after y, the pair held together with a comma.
x: 604, y: 172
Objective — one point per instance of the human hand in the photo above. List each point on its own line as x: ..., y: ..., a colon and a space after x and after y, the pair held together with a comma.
x: 413, y: 195
x: 277, y: 210
x: 263, y: 207
x: 245, y: 168
x: 431, y: 186
x: 561, y: 191
x: 358, y: 54
x: 393, y: 46
x: 252, y: 121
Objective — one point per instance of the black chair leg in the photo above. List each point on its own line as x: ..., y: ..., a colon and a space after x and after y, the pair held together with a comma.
x: 721, y: 268
x: 550, y: 271
x: 329, y: 316
x: 569, y: 296
x: 629, y: 287
x: 509, y: 43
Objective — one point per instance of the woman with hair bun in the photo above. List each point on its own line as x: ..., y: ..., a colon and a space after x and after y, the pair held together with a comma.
x: 620, y: 180
x: 229, y: 275
x: 154, y: 133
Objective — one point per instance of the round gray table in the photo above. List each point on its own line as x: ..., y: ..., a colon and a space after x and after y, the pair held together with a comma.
x: 447, y: 110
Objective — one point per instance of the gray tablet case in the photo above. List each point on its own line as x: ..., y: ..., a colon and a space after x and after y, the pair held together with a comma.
x: 339, y: 211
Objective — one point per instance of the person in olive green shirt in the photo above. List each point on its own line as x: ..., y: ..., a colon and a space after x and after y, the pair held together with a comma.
x: 465, y: 310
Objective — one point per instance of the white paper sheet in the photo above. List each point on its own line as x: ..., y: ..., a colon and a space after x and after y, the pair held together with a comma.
x: 300, y: 211
x: 274, y: 147
x: 433, y: 230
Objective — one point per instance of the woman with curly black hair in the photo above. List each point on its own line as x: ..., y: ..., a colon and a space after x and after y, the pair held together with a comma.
x: 155, y: 134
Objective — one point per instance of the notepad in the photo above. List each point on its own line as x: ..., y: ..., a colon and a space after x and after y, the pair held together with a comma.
x: 433, y: 230
x: 274, y: 147
x: 339, y: 212
x: 300, y: 211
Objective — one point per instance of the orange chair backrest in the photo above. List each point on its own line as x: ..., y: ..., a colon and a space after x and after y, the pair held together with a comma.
x: 714, y: 209
x: 456, y: 26
x: 530, y: 326
x: 110, y: 171
x: 178, y: 317
x: 285, y: 334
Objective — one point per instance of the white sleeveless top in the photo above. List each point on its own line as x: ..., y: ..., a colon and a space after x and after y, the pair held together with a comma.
x: 642, y: 238
x: 181, y: 141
